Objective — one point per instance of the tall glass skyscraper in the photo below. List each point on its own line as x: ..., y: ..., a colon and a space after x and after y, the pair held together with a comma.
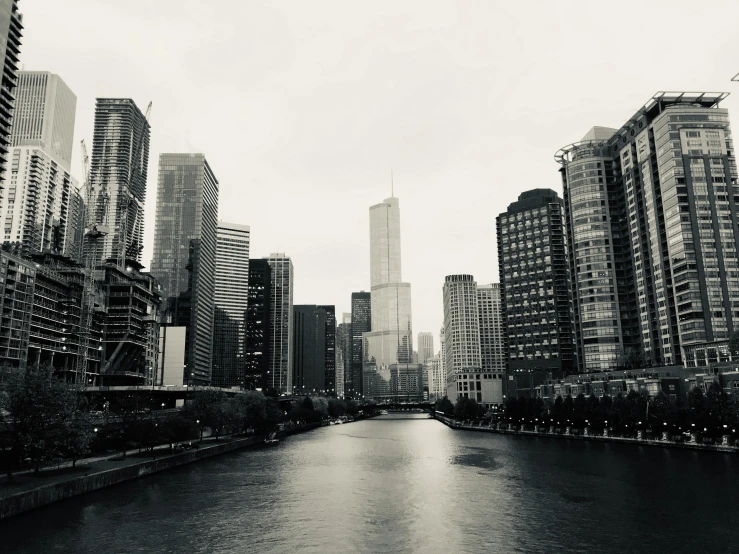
x: 390, y: 340
x: 184, y: 260
x: 280, y: 372
x: 120, y: 159
x: 361, y: 323
x: 231, y: 304
x: 258, y: 324
x: 653, y: 230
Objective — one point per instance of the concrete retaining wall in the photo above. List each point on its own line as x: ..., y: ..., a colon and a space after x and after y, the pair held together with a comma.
x: 46, y: 494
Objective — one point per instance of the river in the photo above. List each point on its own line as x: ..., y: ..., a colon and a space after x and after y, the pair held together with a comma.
x: 406, y: 484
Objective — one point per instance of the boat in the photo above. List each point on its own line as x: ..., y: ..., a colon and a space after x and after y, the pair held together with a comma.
x: 271, y: 439
x: 383, y: 412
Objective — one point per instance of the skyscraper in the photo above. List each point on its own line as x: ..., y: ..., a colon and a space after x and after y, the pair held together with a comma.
x: 309, y: 349
x: 231, y: 303
x: 330, y: 346
x: 534, y: 283
x: 280, y: 374
x: 11, y: 29
x: 425, y: 347
x: 44, y: 116
x: 361, y: 324
x: 258, y: 324
x: 40, y: 205
x: 120, y: 159
x: 184, y: 260
x: 343, y: 355
x: 390, y: 341
x: 652, y: 221
x: 492, y: 336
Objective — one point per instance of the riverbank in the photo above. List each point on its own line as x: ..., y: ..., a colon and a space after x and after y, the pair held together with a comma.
x: 664, y: 443
x: 30, y: 492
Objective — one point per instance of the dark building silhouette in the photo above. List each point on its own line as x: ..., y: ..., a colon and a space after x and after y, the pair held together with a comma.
x: 258, y: 324
x: 309, y: 349
x: 330, y: 349
x: 11, y: 28
x: 361, y: 323
x: 534, y: 284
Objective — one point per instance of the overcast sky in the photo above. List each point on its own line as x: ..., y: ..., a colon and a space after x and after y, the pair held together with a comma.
x: 302, y: 108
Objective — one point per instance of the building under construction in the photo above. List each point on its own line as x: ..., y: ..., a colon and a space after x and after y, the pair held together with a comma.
x: 41, y: 319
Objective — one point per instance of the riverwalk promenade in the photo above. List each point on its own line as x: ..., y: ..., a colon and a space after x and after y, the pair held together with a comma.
x: 567, y: 434
x: 28, y: 491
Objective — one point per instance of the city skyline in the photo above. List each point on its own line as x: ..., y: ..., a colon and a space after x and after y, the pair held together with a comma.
x: 409, y: 126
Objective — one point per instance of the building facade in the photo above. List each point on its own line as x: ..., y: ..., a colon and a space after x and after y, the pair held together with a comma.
x: 330, y: 347
x: 534, y: 284
x: 231, y: 297
x: 280, y: 372
x: 425, y: 347
x: 184, y: 260
x: 390, y: 340
x: 361, y: 323
x: 11, y: 30
x: 258, y: 326
x: 492, y: 334
x: 652, y: 221
x: 45, y: 109
x: 343, y: 354
x: 436, y: 378
x: 119, y: 164
x: 309, y: 350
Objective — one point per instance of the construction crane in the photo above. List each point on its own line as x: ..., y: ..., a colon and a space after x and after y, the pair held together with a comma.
x: 93, y: 234
x: 124, y: 195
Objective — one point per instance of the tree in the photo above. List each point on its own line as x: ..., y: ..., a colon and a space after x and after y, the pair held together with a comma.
x: 205, y: 408
x: 558, y: 409
x: 254, y: 407
x: 718, y: 407
x: 336, y: 407
x: 444, y: 406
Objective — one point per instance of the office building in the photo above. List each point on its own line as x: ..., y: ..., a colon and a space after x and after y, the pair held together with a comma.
x: 534, y: 284
x: 390, y: 340
x: 45, y: 109
x: 184, y: 260
x: 361, y: 323
x: 425, y: 347
x: 11, y: 29
x: 119, y: 164
x: 330, y: 346
x: 343, y: 355
x: 280, y: 372
x: 436, y: 378
x: 463, y: 365
x: 257, y: 355
x: 653, y: 229
x: 231, y: 297
x: 309, y: 350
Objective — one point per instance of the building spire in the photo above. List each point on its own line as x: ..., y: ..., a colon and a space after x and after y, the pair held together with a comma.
x: 392, y: 187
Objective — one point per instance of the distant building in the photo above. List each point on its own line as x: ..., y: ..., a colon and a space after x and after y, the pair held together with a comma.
x: 11, y: 30
x: 310, y: 354
x: 40, y: 206
x: 436, y: 378
x: 330, y: 347
x: 425, y: 347
x: 361, y: 324
x: 280, y: 372
x: 184, y: 260
x: 390, y: 340
x: 464, y: 373
x: 258, y: 326
x: 492, y: 336
x: 231, y: 303
x: 343, y: 354
x: 119, y: 164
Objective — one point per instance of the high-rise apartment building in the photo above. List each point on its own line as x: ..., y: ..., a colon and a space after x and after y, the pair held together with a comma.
x: 40, y: 208
x: 45, y: 109
x: 361, y: 323
x: 120, y: 159
x: 330, y: 347
x: 463, y: 365
x: 425, y: 347
x: 390, y: 340
x: 231, y: 304
x: 436, y: 378
x: 184, y: 260
x: 11, y: 29
x: 492, y: 335
x: 280, y: 372
x: 653, y: 230
x: 534, y: 284
x: 258, y: 325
